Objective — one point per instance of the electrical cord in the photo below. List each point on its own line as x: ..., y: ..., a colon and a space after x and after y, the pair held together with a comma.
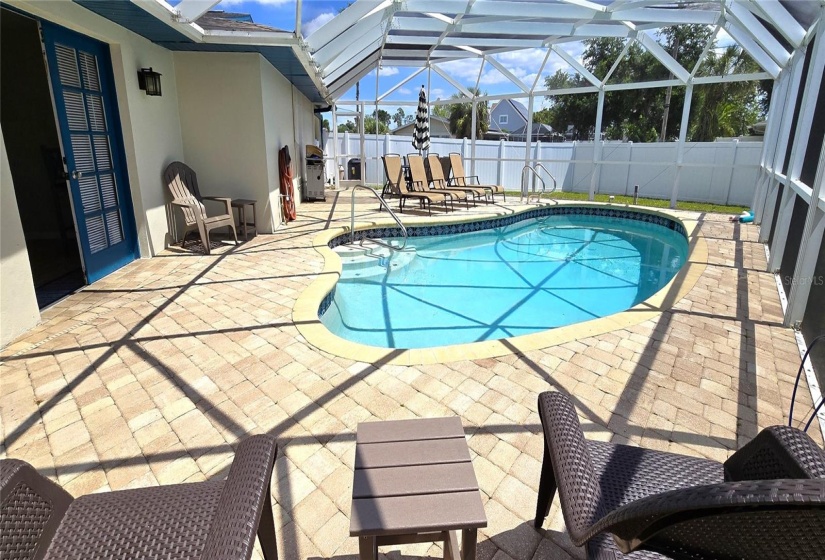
x: 796, y: 384
x: 811, y: 419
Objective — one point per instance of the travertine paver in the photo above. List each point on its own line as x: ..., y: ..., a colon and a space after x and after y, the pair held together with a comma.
x: 152, y: 375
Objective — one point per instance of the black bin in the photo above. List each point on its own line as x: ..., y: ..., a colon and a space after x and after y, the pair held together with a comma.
x: 354, y: 169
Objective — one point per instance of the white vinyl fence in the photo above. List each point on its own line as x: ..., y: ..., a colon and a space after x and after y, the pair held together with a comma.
x: 723, y: 172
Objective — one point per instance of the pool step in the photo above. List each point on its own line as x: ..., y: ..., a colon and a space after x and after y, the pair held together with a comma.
x: 371, y: 259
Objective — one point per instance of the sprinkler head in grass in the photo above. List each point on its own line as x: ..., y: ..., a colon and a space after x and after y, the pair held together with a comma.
x: 610, y: 199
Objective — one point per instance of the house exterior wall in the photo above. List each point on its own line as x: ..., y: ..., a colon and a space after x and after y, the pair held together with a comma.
x: 233, y: 151
x: 151, y: 129
x: 236, y: 112
x: 514, y: 119
x: 151, y: 139
x: 279, y: 124
x: 221, y: 114
x: 18, y: 304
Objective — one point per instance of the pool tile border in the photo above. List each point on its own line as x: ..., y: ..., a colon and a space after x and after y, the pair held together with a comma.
x: 318, y: 296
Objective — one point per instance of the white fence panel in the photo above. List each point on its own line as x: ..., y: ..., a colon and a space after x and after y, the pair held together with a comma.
x: 745, y: 174
x: 614, y: 177
x: 557, y: 159
x: 697, y: 183
x: 720, y: 172
x: 487, y: 164
x: 582, y: 171
x: 653, y: 169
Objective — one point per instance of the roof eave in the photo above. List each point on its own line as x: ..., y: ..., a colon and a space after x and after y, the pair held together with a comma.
x: 169, y: 15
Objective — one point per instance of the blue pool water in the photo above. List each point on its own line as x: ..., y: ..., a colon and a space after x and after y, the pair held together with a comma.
x: 530, y: 276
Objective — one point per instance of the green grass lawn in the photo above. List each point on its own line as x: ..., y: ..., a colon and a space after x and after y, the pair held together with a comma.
x: 652, y: 202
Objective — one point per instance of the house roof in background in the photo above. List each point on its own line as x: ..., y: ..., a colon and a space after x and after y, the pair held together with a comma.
x: 518, y: 106
x: 229, y: 32
x: 229, y: 21
x: 444, y: 121
x: 538, y: 128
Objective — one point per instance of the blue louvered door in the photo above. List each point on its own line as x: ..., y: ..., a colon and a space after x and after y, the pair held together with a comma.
x: 83, y: 93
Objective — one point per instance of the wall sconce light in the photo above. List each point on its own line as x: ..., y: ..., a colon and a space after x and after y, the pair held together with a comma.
x: 149, y: 81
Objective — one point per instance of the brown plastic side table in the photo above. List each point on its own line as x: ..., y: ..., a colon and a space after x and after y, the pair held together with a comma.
x: 241, y: 204
x: 413, y: 483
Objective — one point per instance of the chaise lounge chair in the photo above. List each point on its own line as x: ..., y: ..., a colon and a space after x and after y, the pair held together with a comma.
x: 435, y: 173
x: 463, y: 180
x: 419, y: 178
x: 182, y: 181
x: 216, y: 519
x: 766, y: 501
x: 398, y: 185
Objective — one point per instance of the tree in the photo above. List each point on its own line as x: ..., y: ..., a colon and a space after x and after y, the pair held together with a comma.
x: 442, y: 111
x: 726, y: 109
x: 383, y: 117
x: 543, y: 116
x: 639, y: 114
x: 578, y: 110
x: 398, y: 117
x: 370, y: 123
x: 325, y: 124
x: 348, y: 126
x: 461, y: 116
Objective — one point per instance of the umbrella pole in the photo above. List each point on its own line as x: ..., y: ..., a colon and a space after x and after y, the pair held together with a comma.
x: 429, y: 105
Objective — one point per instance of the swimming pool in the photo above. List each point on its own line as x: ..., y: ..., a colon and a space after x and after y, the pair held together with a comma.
x: 519, y: 277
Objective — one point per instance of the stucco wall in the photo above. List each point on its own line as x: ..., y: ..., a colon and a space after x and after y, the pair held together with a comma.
x: 151, y: 129
x: 18, y: 305
x: 278, y: 118
x: 236, y: 112
x: 306, y: 127
x: 295, y: 128
x: 221, y: 124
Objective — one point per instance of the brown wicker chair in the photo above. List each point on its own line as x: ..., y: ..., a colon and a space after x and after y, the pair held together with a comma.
x: 766, y: 501
x: 216, y: 519
x: 183, y: 183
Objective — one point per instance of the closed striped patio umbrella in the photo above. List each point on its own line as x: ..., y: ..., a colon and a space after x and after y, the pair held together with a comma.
x: 421, y: 132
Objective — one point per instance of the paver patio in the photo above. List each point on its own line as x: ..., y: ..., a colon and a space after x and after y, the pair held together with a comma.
x: 153, y: 374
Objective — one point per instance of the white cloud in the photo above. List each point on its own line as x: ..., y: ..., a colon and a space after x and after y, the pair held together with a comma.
x: 385, y: 72
x: 464, y: 70
x: 311, y: 26
x: 523, y: 64
x: 723, y: 39
x: 522, y: 58
x: 404, y: 91
x: 492, y: 77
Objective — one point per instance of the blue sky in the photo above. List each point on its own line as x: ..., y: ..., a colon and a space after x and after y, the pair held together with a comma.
x: 523, y: 64
x: 314, y: 13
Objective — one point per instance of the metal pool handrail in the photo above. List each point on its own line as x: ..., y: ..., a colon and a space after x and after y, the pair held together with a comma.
x: 385, y: 206
x: 543, y: 184
x: 555, y: 184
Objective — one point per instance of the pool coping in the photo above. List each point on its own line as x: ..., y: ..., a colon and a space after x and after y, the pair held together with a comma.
x: 306, y: 319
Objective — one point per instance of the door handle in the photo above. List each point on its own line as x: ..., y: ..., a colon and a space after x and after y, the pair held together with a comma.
x: 77, y: 174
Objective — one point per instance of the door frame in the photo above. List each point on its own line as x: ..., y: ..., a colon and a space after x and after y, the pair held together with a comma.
x: 118, y: 153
